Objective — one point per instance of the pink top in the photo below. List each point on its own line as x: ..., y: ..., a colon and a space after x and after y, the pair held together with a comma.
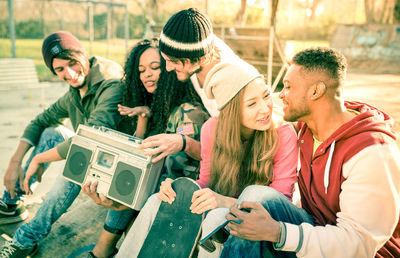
x: 285, y: 161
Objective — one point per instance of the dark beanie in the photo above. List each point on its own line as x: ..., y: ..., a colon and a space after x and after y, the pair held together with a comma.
x: 187, y: 34
x: 55, y: 43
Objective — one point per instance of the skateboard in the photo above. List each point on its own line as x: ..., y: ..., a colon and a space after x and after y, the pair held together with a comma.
x: 175, y: 229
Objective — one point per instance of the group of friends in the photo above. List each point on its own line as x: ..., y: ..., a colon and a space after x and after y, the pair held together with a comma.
x: 214, y: 120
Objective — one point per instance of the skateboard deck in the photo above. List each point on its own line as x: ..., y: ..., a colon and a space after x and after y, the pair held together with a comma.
x: 175, y: 229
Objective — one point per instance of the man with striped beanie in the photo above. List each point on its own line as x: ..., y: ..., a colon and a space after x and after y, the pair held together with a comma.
x: 191, y: 50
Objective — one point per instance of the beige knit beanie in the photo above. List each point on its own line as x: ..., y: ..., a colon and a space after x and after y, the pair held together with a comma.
x: 225, y: 80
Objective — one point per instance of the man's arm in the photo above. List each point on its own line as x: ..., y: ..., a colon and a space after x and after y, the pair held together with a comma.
x: 171, y: 143
x: 36, y: 166
x: 14, y: 172
x: 369, y: 204
x: 52, y: 116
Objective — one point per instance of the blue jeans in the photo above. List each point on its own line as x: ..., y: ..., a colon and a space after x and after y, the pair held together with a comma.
x: 58, y: 200
x: 280, y: 208
x: 49, y: 138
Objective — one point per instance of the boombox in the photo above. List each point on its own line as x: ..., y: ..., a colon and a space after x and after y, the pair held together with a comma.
x: 112, y: 158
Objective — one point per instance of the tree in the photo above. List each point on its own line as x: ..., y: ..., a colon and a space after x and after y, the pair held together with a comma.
x: 396, y: 12
x: 242, y: 13
x: 381, y: 11
x: 310, y: 6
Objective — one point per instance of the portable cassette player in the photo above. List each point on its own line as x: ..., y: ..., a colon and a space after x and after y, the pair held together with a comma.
x: 113, y: 159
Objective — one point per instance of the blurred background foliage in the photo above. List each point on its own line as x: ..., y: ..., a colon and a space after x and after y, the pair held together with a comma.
x: 299, y: 22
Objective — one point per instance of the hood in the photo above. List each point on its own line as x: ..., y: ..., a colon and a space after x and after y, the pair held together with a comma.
x: 102, y: 69
x: 369, y: 119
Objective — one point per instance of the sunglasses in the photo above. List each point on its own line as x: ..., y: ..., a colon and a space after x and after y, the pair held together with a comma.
x: 152, y: 42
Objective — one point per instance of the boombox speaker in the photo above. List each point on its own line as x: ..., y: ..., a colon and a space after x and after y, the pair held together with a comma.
x: 112, y: 158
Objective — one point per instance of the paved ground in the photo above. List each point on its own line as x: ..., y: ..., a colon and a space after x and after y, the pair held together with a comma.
x: 81, y: 225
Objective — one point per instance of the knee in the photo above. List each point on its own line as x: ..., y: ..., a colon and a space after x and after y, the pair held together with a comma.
x: 214, y: 219
x: 51, y: 135
x: 49, y: 132
x: 152, y: 204
x: 258, y: 193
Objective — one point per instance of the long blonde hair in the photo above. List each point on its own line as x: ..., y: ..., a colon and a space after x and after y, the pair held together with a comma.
x: 233, y: 165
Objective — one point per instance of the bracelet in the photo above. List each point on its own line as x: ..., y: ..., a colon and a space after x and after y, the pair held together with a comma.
x: 282, y: 237
x: 183, y: 142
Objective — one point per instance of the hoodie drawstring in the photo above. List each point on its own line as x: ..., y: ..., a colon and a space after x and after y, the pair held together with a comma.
x: 328, y: 166
x: 298, y: 154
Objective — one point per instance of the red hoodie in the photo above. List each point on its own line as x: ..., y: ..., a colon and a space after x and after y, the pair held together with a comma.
x: 321, y: 176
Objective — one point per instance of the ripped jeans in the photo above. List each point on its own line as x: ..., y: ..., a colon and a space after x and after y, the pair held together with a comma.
x: 58, y: 200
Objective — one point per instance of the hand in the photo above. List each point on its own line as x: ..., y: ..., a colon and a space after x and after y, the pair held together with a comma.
x: 166, y: 193
x: 14, y: 174
x: 90, y: 189
x: 166, y: 144
x: 35, y: 167
x: 257, y: 225
x: 205, y: 199
x: 143, y: 111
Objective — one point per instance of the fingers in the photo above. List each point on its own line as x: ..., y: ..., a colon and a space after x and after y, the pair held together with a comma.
x: 21, y: 186
x: 152, y: 141
x: 203, y: 200
x: 103, y: 198
x: 39, y: 174
x: 161, y: 145
x: 85, y: 187
x: 249, y: 205
x: 12, y: 192
x: 93, y: 187
x: 90, y: 188
x: 26, y: 186
x: 28, y: 177
x: 123, y: 110
x: 159, y: 153
x: 166, y: 193
x: 159, y: 157
x: 237, y: 212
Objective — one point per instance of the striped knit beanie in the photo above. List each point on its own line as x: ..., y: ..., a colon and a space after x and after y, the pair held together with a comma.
x: 187, y: 34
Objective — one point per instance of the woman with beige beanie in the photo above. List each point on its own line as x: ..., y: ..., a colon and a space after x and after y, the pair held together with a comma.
x: 245, y: 145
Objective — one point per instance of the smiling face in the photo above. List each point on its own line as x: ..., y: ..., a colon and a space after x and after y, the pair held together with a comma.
x: 294, y: 94
x: 256, y: 109
x: 183, y: 70
x: 149, y: 69
x: 70, y: 71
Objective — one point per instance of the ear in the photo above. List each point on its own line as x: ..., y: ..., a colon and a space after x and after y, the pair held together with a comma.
x: 318, y: 90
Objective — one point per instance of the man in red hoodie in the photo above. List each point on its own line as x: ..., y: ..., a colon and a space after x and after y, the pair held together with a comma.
x: 348, y: 175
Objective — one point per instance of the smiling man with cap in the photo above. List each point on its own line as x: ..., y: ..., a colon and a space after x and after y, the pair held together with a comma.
x: 92, y: 99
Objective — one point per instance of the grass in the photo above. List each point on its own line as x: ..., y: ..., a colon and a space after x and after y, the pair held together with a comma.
x: 31, y: 48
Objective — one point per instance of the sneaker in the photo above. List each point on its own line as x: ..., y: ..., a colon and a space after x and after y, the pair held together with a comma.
x: 91, y: 254
x: 12, y: 213
x: 9, y: 250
